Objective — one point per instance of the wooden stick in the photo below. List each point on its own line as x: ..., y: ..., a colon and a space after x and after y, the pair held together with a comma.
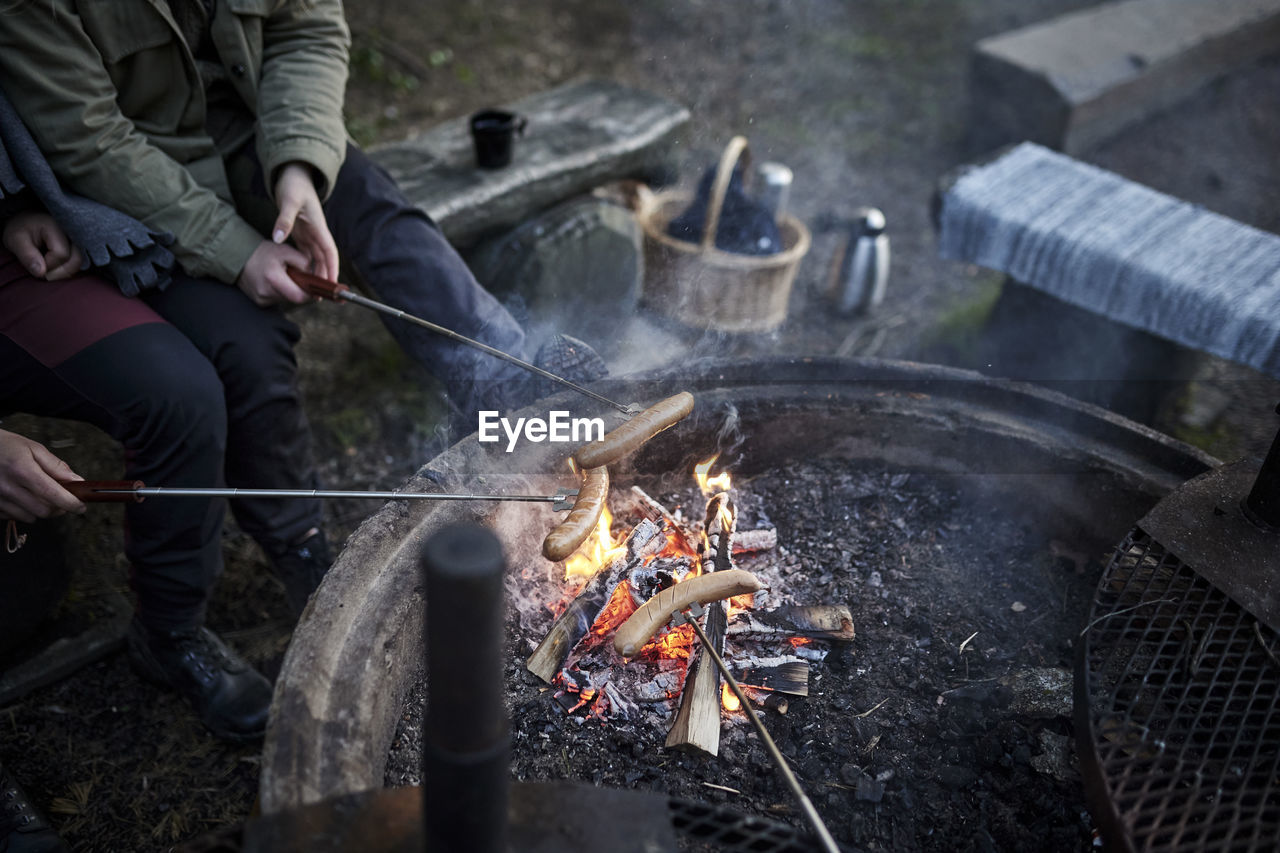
x: 581, y: 614
x: 697, y: 723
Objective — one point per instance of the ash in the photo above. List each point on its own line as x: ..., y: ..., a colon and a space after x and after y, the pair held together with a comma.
x: 945, y: 725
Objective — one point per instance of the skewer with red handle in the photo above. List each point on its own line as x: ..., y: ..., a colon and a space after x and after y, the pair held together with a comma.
x: 336, y: 291
x: 127, y: 491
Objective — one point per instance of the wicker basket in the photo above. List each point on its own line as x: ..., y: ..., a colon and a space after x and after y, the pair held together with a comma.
x: 702, y: 286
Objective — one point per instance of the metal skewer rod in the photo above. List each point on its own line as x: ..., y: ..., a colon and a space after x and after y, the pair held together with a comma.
x: 335, y: 291
x: 125, y: 490
x: 806, y: 805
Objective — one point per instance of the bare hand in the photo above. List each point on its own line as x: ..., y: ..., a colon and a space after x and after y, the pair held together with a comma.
x: 264, y: 278
x: 28, y: 480
x: 302, y: 218
x: 42, y: 246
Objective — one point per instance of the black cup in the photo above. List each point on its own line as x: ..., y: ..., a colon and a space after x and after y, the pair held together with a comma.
x: 494, y: 131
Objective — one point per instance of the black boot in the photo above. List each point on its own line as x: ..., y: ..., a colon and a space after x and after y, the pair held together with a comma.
x: 230, y: 696
x: 301, y: 568
x: 23, y: 829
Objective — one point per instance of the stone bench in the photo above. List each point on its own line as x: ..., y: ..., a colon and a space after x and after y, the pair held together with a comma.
x: 1100, y: 250
x: 579, y: 135
x: 1075, y: 80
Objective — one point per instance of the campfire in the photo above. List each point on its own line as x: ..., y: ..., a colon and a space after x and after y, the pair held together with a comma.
x: 644, y: 548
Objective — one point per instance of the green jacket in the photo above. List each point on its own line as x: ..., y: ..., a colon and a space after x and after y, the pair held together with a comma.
x: 111, y: 94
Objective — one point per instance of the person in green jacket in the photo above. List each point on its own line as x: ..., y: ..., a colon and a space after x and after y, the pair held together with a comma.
x: 220, y: 121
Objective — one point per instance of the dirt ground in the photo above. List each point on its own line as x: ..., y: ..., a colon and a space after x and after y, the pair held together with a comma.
x: 865, y: 101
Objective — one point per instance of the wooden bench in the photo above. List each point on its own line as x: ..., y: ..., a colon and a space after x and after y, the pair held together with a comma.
x: 579, y: 136
x: 1099, y: 250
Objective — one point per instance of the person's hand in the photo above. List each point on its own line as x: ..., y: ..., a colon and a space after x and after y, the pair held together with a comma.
x: 28, y: 480
x: 302, y: 218
x: 42, y: 246
x: 265, y: 280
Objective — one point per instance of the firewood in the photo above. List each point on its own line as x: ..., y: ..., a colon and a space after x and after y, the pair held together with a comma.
x: 639, y: 502
x: 697, y: 723
x: 581, y: 614
x: 822, y: 622
x: 745, y: 541
x: 646, y: 581
x: 790, y: 678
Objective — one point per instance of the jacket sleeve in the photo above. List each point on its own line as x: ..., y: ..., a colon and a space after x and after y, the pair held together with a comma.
x: 54, y: 76
x: 305, y: 49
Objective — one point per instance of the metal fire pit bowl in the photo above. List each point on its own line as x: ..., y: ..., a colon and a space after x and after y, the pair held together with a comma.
x: 1087, y: 475
x: 1178, y: 686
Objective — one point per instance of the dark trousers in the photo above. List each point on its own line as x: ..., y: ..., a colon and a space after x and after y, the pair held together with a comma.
x: 401, y: 258
x: 199, y: 386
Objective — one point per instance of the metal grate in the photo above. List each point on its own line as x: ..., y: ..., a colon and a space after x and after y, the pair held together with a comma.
x: 707, y: 827
x: 1182, y: 696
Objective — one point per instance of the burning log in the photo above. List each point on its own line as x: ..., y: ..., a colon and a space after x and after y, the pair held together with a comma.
x: 639, y: 502
x: 581, y: 614
x: 661, y: 688
x: 646, y: 581
x: 697, y: 723
x: 821, y: 622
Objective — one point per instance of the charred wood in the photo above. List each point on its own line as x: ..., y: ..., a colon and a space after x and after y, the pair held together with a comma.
x: 777, y: 702
x: 790, y: 678
x: 639, y: 502
x: 581, y: 614
x: 745, y: 541
x: 821, y: 622
x: 646, y: 581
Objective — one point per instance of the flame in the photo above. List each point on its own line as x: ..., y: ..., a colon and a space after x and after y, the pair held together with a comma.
x: 598, y: 550
x: 615, y: 612
x: 710, y: 485
x: 738, y: 603
x: 674, y: 644
x: 727, y: 515
x: 729, y: 699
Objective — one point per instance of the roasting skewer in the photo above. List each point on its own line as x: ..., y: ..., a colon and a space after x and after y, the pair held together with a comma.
x: 124, y: 491
x: 825, y: 838
x: 338, y: 292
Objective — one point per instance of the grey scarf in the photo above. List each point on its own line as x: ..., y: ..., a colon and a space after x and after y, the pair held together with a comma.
x: 124, y: 248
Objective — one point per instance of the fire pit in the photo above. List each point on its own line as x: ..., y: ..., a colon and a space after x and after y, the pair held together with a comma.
x: 957, y: 517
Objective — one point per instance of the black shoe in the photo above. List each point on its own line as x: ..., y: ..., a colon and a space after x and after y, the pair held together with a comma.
x: 23, y: 829
x: 230, y: 696
x: 301, y: 568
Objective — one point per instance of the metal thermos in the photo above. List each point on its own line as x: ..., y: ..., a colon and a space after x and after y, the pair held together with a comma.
x: 773, y: 188
x: 863, y: 271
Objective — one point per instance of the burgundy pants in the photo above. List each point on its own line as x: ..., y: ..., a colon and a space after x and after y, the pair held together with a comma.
x: 197, y: 383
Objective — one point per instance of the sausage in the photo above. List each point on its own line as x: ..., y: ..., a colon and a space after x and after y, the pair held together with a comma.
x: 657, y: 611
x: 565, y: 538
x: 635, y: 432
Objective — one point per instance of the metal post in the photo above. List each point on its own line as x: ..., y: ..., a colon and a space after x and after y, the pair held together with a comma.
x: 1263, y: 502
x: 466, y: 735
